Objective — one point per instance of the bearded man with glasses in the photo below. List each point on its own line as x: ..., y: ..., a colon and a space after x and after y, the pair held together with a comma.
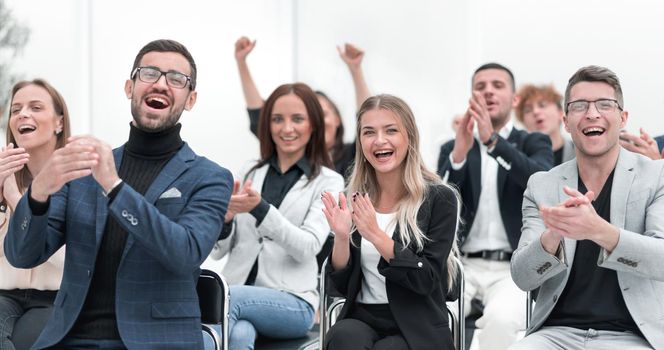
x: 593, y: 233
x: 138, y: 221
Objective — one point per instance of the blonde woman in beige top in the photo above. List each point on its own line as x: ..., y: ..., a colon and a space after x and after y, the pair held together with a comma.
x: 38, y: 125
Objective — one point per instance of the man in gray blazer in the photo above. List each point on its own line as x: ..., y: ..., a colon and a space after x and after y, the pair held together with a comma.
x: 593, y: 233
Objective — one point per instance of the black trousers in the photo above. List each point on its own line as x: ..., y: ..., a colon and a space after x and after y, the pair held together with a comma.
x: 368, y: 327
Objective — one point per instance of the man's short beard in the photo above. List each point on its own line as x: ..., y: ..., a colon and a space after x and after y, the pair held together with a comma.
x: 170, y: 121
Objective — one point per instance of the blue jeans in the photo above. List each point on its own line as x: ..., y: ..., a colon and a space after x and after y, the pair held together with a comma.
x: 23, y: 314
x: 266, y: 311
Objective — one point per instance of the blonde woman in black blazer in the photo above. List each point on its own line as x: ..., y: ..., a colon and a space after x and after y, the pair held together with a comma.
x: 393, y: 241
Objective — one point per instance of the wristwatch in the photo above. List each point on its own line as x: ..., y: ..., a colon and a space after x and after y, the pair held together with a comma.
x: 493, y: 138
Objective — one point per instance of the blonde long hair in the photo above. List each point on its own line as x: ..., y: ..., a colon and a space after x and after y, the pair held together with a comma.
x: 416, y: 178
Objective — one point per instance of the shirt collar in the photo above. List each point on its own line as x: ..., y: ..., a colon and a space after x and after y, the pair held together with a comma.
x: 302, y: 164
x: 504, y: 132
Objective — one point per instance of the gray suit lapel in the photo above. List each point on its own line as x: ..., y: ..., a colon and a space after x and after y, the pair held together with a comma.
x: 622, y: 183
x: 569, y: 178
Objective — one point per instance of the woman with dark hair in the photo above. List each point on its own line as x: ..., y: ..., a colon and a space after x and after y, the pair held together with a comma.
x: 275, y: 225
x: 38, y: 125
x: 342, y: 154
x: 394, y: 242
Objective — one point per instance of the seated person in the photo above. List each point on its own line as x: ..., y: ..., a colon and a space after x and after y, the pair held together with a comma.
x: 593, y: 233
x: 278, y: 224
x: 394, y: 243
x: 27, y: 295
x: 342, y: 155
x: 540, y: 109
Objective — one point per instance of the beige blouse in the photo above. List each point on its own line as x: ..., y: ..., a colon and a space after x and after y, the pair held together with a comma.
x: 46, y: 276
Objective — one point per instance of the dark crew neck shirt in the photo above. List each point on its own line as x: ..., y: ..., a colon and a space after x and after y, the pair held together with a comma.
x: 592, y: 296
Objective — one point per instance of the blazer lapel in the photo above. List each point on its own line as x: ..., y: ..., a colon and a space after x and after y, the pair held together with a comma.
x: 623, y: 177
x: 258, y: 178
x: 173, y: 169
x: 502, y: 172
x: 570, y: 178
x: 295, y: 193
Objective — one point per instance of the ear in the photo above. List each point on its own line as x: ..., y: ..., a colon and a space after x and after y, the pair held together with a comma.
x: 565, y: 122
x: 515, y: 100
x: 191, y: 100
x: 59, y: 124
x: 129, y: 87
x: 623, y: 119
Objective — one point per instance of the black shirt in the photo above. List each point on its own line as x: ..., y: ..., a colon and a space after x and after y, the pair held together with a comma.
x: 592, y: 296
x: 275, y: 187
x: 558, y: 156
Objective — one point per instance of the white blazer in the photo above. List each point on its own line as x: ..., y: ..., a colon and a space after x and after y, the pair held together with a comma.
x: 287, y: 240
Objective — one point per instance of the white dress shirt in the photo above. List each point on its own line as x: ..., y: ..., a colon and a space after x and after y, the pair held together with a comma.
x: 488, y: 230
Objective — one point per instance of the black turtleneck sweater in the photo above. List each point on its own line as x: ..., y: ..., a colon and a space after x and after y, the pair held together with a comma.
x: 145, y: 154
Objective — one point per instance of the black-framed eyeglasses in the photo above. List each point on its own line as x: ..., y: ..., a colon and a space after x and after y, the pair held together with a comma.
x: 152, y: 75
x: 603, y: 106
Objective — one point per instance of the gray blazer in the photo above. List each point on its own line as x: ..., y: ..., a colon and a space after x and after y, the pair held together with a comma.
x: 287, y: 240
x: 637, y: 209
x: 568, y: 150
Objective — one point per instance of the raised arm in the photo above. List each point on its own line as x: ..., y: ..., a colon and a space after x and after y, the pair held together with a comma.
x: 253, y: 99
x: 352, y: 56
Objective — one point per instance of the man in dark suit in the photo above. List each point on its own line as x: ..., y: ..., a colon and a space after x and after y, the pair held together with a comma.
x: 137, y: 221
x: 491, y: 169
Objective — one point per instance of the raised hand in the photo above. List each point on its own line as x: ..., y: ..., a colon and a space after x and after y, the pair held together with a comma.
x: 338, y: 216
x: 551, y: 238
x: 351, y: 55
x: 65, y: 164
x: 243, y: 47
x: 103, y: 171
x: 642, y: 144
x: 245, y: 200
x: 464, y: 139
x: 577, y: 198
x: 12, y: 160
x: 364, y: 217
x: 230, y: 214
x: 577, y: 219
x: 480, y: 113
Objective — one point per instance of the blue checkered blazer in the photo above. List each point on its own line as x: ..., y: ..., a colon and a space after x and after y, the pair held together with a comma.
x: 171, y: 230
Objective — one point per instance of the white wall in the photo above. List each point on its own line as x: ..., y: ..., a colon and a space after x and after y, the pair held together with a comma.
x: 423, y: 51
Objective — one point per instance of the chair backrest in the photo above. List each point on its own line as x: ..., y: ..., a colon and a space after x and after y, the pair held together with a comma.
x: 457, y: 294
x: 529, y: 309
x: 329, y: 310
x: 213, y: 298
